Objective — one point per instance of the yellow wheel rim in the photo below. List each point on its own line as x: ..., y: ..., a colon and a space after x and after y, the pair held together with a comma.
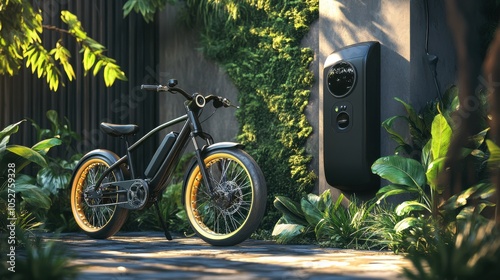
x: 91, y: 219
x: 224, y: 216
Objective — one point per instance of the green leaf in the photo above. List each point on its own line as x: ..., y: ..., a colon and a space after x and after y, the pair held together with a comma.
x: 400, y: 170
x: 97, y: 67
x: 398, y: 138
x: 44, y: 146
x: 494, y: 159
x: 291, y: 210
x: 409, y: 206
x: 391, y: 190
x: 479, y: 138
x: 441, y: 135
x: 417, y: 125
x: 409, y: 110
x: 325, y: 201
x: 53, y: 178
x: 435, y: 168
x: 312, y: 199
x: 338, y: 202
x: 128, y: 7
x: 31, y: 193
x: 311, y: 212
x: 426, y: 156
x: 286, y: 232
x: 477, y: 192
x: 88, y: 59
x: 62, y: 54
x: 6, y: 132
x: 406, y: 223
x: 28, y: 154
x: 109, y: 76
x: 53, y: 118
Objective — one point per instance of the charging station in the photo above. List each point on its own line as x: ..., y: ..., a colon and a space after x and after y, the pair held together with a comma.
x: 351, y: 116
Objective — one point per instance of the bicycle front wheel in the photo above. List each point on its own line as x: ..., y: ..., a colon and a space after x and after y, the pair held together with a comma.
x: 234, y: 210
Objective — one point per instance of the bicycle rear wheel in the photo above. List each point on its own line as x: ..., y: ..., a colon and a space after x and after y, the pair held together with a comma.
x: 95, y: 220
x: 238, y: 203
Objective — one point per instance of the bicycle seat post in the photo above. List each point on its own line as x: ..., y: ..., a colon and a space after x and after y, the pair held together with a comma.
x: 129, y: 156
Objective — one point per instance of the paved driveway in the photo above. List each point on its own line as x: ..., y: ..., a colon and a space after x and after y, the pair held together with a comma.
x: 148, y: 255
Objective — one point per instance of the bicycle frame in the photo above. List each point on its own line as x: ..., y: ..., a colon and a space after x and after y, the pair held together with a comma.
x: 191, y: 129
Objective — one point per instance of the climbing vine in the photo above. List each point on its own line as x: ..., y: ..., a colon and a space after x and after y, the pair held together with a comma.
x: 258, y: 43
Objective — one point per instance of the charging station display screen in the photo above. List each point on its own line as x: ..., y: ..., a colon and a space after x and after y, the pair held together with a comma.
x: 341, y: 78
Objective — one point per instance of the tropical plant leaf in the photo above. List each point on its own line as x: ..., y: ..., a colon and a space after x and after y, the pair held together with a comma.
x: 53, y: 117
x: 53, y: 178
x: 426, y: 157
x: 286, y: 232
x: 412, y: 115
x: 406, y: 223
x: 6, y: 132
x: 44, y: 146
x: 338, y: 202
x: 480, y: 191
x: 400, y: 170
x: 31, y: 193
x: 325, y: 201
x: 479, y: 138
x: 409, y: 206
x: 391, y: 190
x: 310, y: 208
x: 418, y: 130
x: 398, y: 138
x: 494, y: 159
x: 441, y: 135
x: 324, y: 229
x: 27, y: 154
x: 291, y: 210
x: 432, y: 174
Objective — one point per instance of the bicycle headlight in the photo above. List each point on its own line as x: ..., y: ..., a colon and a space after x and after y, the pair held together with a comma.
x: 200, y: 100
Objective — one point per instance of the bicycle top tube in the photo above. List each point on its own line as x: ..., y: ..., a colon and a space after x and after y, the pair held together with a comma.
x: 158, y: 128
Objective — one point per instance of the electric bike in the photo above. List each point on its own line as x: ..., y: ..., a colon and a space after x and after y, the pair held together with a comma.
x: 224, y: 190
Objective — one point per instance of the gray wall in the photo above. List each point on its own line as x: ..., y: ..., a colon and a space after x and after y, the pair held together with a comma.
x: 180, y: 58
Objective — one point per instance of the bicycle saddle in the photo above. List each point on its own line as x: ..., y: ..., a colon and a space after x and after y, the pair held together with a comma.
x: 119, y: 130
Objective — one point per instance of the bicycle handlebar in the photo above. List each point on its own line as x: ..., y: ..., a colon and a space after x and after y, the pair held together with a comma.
x: 218, y: 101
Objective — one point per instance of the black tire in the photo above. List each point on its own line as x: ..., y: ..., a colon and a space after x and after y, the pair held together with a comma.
x: 240, y: 202
x: 97, y: 221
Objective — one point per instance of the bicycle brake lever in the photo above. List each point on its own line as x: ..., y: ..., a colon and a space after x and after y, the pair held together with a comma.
x: 227, y: 103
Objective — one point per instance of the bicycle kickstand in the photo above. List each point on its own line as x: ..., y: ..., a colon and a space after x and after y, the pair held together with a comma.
x: 162, y: 221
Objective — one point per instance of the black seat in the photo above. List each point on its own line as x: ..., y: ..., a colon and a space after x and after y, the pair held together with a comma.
x: 119, y: 130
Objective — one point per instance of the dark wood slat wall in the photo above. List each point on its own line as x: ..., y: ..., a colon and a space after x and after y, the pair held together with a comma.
x: 86, y: 102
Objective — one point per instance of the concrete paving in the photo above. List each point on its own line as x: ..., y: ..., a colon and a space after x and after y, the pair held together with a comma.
x: 148, y: 255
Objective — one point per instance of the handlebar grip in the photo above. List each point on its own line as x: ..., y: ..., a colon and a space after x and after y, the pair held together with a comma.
x: 154, y: 88
x: 149, y: 87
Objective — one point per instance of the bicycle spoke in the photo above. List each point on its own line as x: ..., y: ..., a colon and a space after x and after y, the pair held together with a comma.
x: 95, y: 216
x: 225, y: 176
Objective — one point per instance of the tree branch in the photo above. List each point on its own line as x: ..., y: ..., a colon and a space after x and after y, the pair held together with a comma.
x: 55, y: 28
